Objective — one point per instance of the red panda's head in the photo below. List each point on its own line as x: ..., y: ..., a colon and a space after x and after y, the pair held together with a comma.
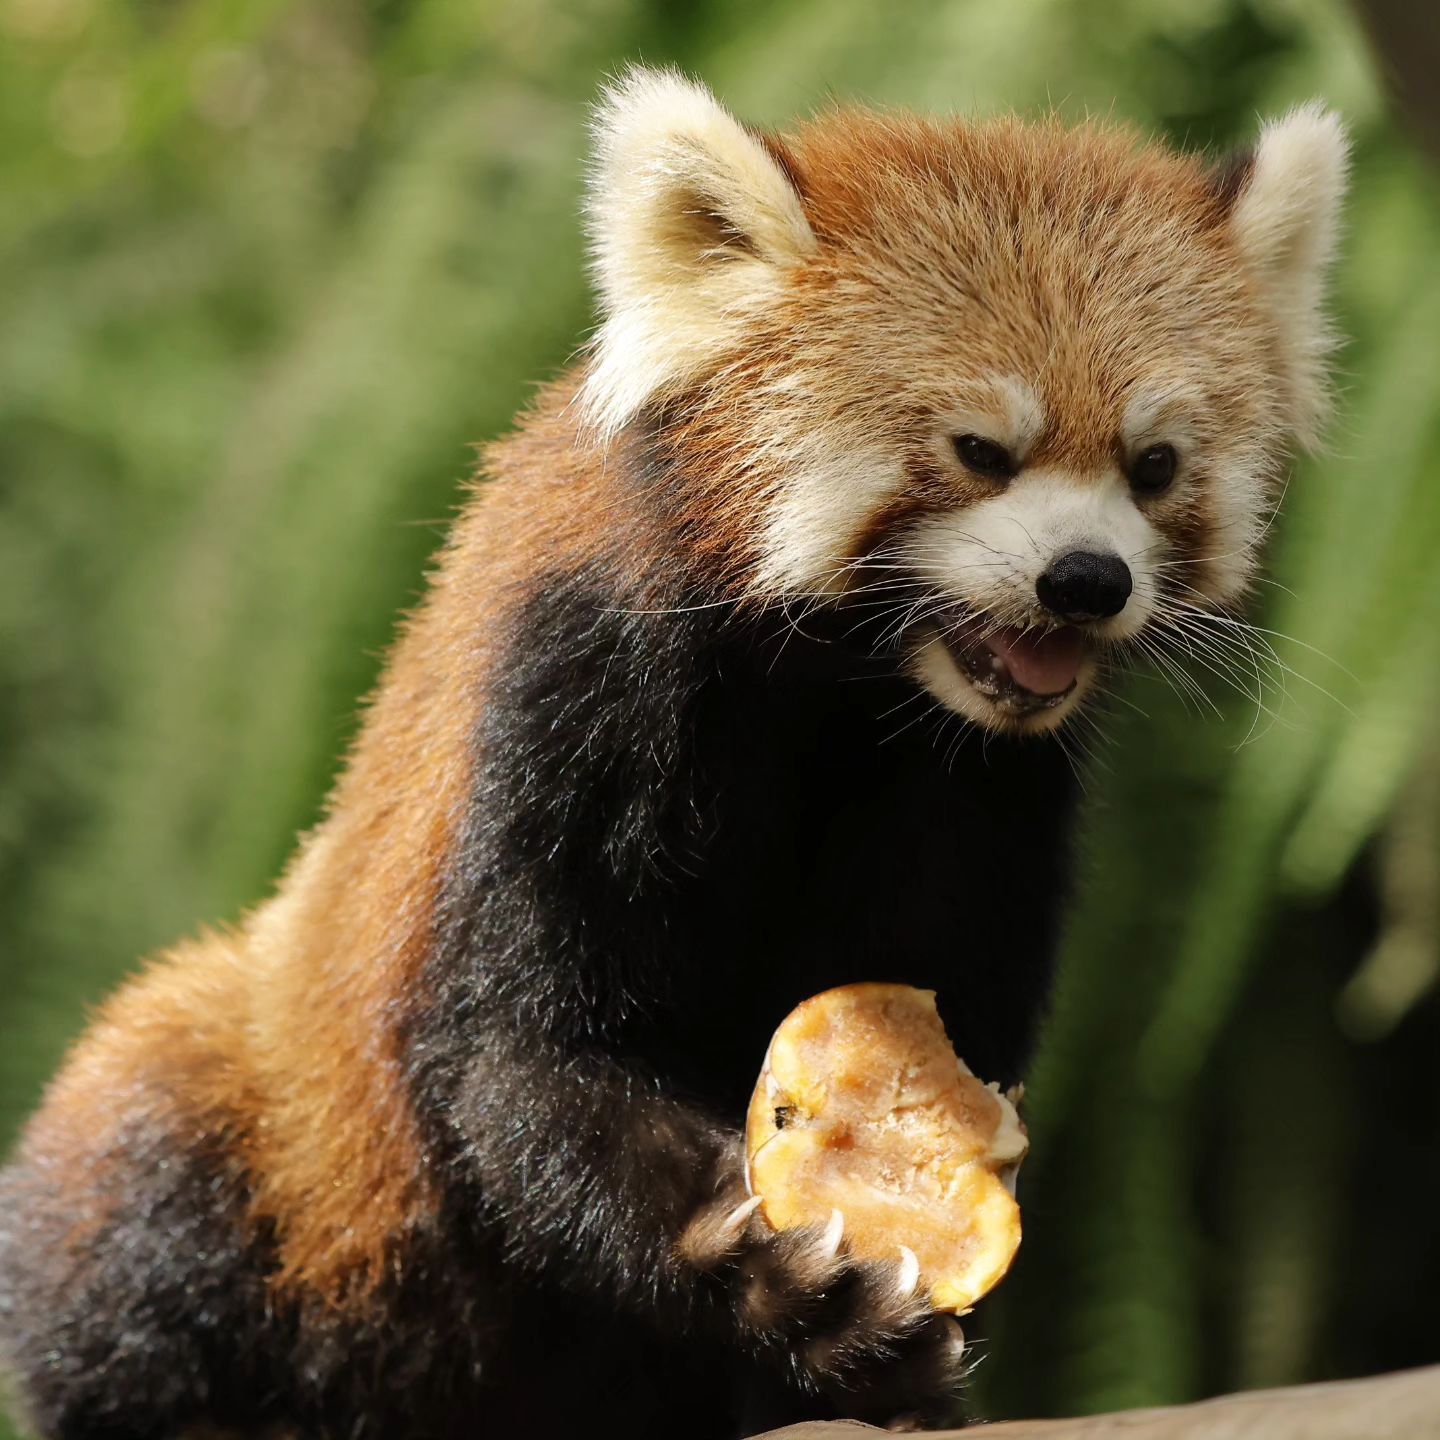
x: 1038, y: 381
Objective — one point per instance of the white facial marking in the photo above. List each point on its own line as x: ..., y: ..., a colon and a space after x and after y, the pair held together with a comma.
x: 989, y: 555
x: 832, y: 486
x: 1024, y: 414
x: 1237, y: 498
x: 1161, y: 413
x: 1005, y: 409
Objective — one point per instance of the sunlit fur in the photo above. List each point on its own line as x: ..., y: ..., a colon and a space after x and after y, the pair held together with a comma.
x: 873, y: 284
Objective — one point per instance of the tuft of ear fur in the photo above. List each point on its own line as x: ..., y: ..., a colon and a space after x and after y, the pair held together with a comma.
x: 693, y: 221
x: 1285, y: 217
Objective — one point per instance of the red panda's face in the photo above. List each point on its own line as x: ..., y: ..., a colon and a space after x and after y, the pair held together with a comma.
x: 1027, y: 387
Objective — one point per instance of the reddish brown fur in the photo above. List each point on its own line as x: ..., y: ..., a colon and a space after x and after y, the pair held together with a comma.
x: 283, y: 1034
x: 282, y: 1037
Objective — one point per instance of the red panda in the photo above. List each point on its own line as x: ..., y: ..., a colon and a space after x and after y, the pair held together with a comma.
x: 893, y: 428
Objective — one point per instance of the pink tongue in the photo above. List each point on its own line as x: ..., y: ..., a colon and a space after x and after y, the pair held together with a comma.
x: 1044, y: 662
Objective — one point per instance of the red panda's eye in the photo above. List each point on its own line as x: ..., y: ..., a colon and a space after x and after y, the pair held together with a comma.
x: 1154, y: 469
x: 984, y: 457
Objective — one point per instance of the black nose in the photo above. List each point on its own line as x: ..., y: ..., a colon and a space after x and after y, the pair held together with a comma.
x: 1082, y: 585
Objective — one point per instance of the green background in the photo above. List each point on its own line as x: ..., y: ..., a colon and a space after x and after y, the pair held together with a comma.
x: 267, y: 270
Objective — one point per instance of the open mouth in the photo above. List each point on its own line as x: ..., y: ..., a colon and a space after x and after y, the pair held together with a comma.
x: 1018, y: 670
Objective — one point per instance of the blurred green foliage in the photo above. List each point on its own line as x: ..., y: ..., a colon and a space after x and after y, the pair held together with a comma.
x: 267, y: 269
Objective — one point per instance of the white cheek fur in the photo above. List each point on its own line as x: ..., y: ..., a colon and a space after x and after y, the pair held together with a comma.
x: 1238, y: 498
x: 832, y: 489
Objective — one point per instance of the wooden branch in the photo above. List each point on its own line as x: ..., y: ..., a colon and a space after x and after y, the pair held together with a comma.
x: 1405, y: 1406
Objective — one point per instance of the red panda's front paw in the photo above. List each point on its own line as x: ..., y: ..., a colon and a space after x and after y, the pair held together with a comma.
x: 860, y: 1333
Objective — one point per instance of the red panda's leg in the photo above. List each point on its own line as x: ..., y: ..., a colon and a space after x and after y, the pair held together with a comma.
x: 136, y: 1309
x: 595, y: 1176
x: 133, y: 1294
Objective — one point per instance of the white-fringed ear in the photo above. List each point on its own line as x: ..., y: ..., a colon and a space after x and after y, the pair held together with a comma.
x: 1286, y: 219
x: 693, y: 222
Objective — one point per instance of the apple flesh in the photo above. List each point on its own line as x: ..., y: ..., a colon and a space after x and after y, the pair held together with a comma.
x: 865, y: 1123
